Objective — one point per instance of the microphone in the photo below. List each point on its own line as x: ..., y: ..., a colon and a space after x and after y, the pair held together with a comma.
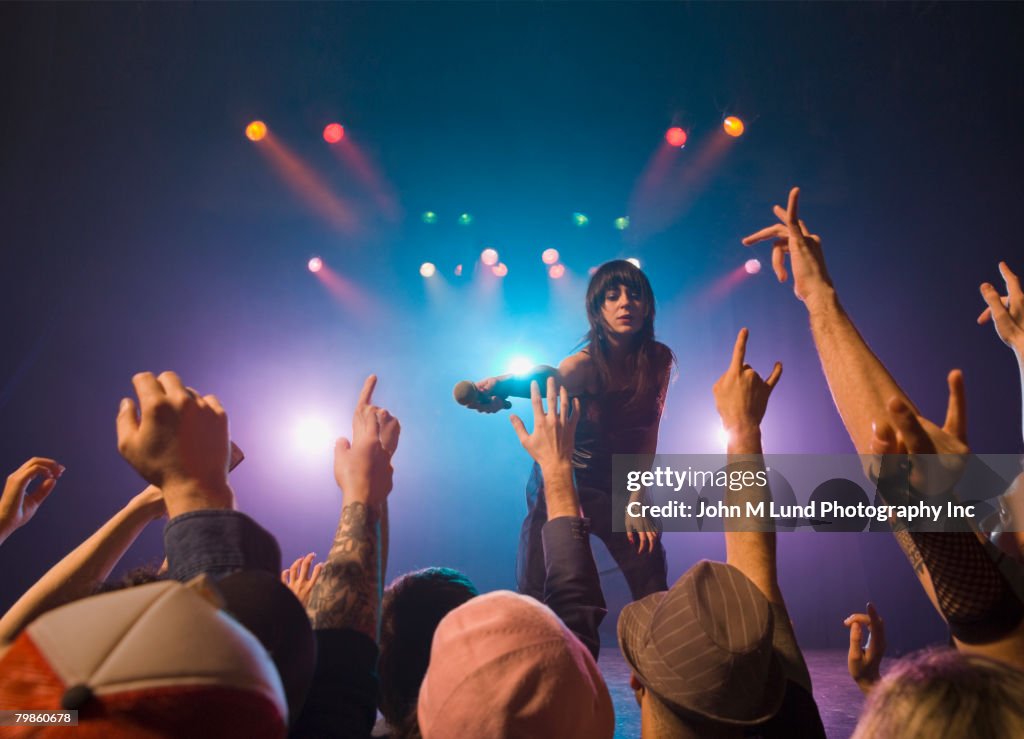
x: 467, y: 394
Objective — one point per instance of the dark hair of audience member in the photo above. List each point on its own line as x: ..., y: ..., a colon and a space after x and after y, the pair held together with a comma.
x: 136, y: 576
x: 413, y: 606
x: 943, y: 692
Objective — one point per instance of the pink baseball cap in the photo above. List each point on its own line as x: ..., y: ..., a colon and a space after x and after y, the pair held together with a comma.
x: 504, y: 665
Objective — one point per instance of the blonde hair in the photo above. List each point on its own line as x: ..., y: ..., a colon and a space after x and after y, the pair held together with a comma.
x: 945, y: 693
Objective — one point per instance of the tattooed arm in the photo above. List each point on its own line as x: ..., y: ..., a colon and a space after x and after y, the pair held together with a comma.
x: 347, y: 595
x: 344, y: 606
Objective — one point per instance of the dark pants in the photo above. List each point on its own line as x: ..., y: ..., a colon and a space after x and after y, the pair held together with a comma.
x: 645, y: 573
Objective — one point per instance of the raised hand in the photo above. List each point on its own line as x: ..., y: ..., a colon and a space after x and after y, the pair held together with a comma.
x: 791, y: 236
x: 1007, y: 311
x: 554, y: 431
x: 741, y: 396
x: 642, y: 531
x: 937, y: 455
x: 346, y: 592
x: 178, y: 441
x: 864, y: 662
x: 362, y: 467
x: 302, y: 576
x: 18, y: 505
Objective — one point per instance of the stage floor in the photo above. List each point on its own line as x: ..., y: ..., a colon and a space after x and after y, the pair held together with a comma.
x: 839, y: 699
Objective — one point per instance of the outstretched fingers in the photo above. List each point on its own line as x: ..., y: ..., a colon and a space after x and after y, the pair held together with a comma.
x: 520, y: 428
x: 1013, y: 289
x: 538, y: 407
x: 956, y: 409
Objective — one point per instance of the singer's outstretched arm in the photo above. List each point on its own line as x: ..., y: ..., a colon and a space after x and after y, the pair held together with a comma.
x: 575, y: 374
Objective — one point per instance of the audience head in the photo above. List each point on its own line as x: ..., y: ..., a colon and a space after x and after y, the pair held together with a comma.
x: 504, y: 665
x: 702, y: 656
x: 945, y: 693
x: 162, y: 659
x: 413, y: 606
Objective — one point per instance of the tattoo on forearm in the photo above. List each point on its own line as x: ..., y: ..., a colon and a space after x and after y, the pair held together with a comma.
x: 347, y: 595
x: 909, y: 548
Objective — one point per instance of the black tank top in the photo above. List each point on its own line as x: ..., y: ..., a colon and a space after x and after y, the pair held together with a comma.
x: 609, y: 425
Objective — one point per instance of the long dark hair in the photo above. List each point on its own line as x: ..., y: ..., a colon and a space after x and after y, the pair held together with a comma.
x: 649, y: 361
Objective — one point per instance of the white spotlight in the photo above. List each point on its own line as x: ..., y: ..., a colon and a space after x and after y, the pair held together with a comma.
x: 312, y: 436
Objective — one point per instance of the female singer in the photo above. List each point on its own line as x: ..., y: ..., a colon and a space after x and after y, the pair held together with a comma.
x: 621, y: 376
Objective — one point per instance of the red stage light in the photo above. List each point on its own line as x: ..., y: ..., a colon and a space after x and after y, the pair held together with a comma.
x: 315, y: 264
x: 550, y: 256
x: 489, y: 257
x: 556, y: 271
x: 733, y: 126
x: 256, y: 131
x: 334, y: 133
x: 499, y: 270
x: 676, y: 136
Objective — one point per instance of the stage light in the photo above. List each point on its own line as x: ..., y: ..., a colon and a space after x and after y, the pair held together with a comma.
x: 580, y: 219
x: 520, y: 365
x: 555, y: 271
x: 458, y: 270
x: 550, y: 256
x: 333, y: 133
x: 499, y: 270
x: 312, y: 436
x: 465, y: 219
x: 489, y: 256
x: 592, y: 271
x: 721, y: 437
x: 733, y: 126
x: 753, y: 266
x: 427, y: 269
x: 634, y: 261
x: 315, y: 264
x: 429, y: 216
x: 622, y: 223
x: 676, y: 136
x: 256, y: 131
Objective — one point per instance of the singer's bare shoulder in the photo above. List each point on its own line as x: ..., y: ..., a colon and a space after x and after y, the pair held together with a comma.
x: 578, y: 374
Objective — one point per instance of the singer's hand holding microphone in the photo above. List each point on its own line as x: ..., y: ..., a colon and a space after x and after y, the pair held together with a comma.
x: 481, y: 396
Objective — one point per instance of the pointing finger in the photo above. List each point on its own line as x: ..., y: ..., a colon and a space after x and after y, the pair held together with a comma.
x: 366, y: 394
x: 739, y: 350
